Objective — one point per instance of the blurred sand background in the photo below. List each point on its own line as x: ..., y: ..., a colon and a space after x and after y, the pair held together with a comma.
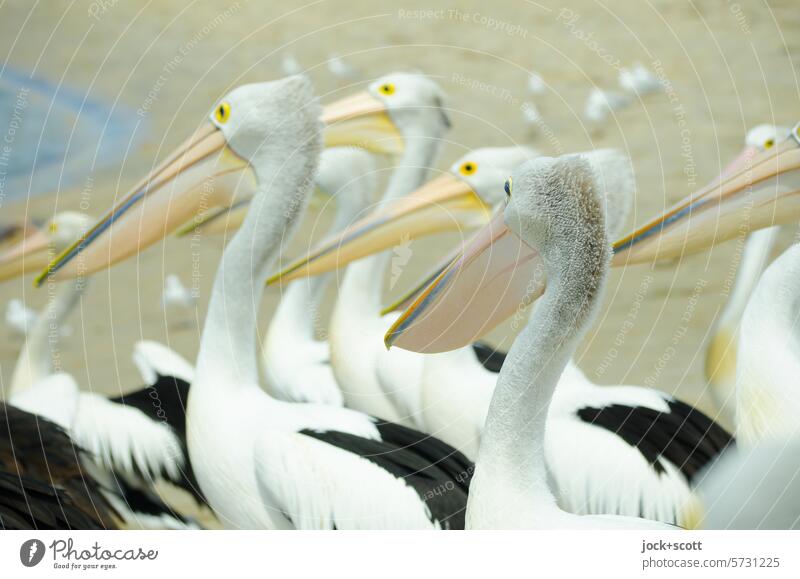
x: 730, y: 66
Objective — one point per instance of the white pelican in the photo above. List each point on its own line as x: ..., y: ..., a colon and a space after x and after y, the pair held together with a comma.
x: 556, y: 209
x: 768, y: 355
x: 389, y: 381
x: 261, y: 462
x: 377, y: 382
x: 637, y: 426
x: 132, y: 447
x: 720, y: 363
x: 761, y: 191
x: 43, y: 481
x: 296, y: 363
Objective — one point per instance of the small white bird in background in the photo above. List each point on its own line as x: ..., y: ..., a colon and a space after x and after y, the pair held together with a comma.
x: 639, y: 80
x: 19, y: 317
x: 341, y: 69
x: 176, y: 294
x: 535, y: 84
x: 289, y: 65
x: 601, y: 103
x: 531, y: 114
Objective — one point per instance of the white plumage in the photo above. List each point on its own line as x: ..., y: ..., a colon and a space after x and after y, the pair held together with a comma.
x: 536, y: 85
x: 342, y: 69
x: 639, y: 80
x: 600, y: 104
x: 290, y: 65
x: 176, y: 294
x: 297, y: 364
x: 531, y: 114
x: 19, y: 317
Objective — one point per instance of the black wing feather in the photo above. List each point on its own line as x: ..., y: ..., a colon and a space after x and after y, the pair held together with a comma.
x: 43, y: 483
x: 437, y: 472
x: 165, y: 401
x: 684, y: 436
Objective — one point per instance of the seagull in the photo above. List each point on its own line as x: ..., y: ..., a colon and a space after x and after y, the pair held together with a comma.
x: 341, y: 69
x: 601, y: 103
x: 176, y: 294
x: 531, y: 114
x: 535, y: 84
x: 289, y: 65
x: 19, y: 317
x: 639, y: 80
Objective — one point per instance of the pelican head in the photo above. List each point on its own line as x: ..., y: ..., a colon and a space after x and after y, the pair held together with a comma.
x: 251, y: 130
x: 35, y: 250
x: 393, y: 109
x: 460, y: 198
x: 501, y: 271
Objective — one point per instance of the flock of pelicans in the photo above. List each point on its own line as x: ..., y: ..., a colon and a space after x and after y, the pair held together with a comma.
x: 440, y: 432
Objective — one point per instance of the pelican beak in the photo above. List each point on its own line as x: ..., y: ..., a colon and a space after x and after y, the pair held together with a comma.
x: 496, y: 276
x: 408, y: 298
x: 183, y: 185
x: 31, y: 253
x: 762, y: 193
x: 361, y: 120
x: 443, y: 204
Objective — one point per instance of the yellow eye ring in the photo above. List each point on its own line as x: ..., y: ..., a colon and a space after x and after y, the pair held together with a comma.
x: 223, y: 112
x: 387, y: 88
x: 468, y: 168
x: 768, y: 143
x: 509, y: 186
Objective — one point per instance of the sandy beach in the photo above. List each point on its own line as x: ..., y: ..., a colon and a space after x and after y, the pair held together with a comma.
x: 727, y: 67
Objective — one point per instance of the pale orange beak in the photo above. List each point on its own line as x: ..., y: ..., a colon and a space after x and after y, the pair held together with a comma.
x: 27, y: 255
x: 763, y: 192
x: 361, y: 120
x: 177, y: 189
x: 443, y: 204
x: 496, y: 276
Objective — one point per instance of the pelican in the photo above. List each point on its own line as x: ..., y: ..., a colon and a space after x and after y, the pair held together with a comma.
x: 634, y: 425
x: 556, y: 209
x: 296, y: 363
x: 131, y: 447
x: 43, y: 481
x: 720, y: 363
x: 376, y: 382
x: 261, y: 462
x: 768, y: 356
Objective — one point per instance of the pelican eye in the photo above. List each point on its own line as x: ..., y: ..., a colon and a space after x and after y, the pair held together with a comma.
x: 387, y: 88
x: 768, y: 143
x: 468, y: 168
x: 223, y: 112
x: 509, y: 186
